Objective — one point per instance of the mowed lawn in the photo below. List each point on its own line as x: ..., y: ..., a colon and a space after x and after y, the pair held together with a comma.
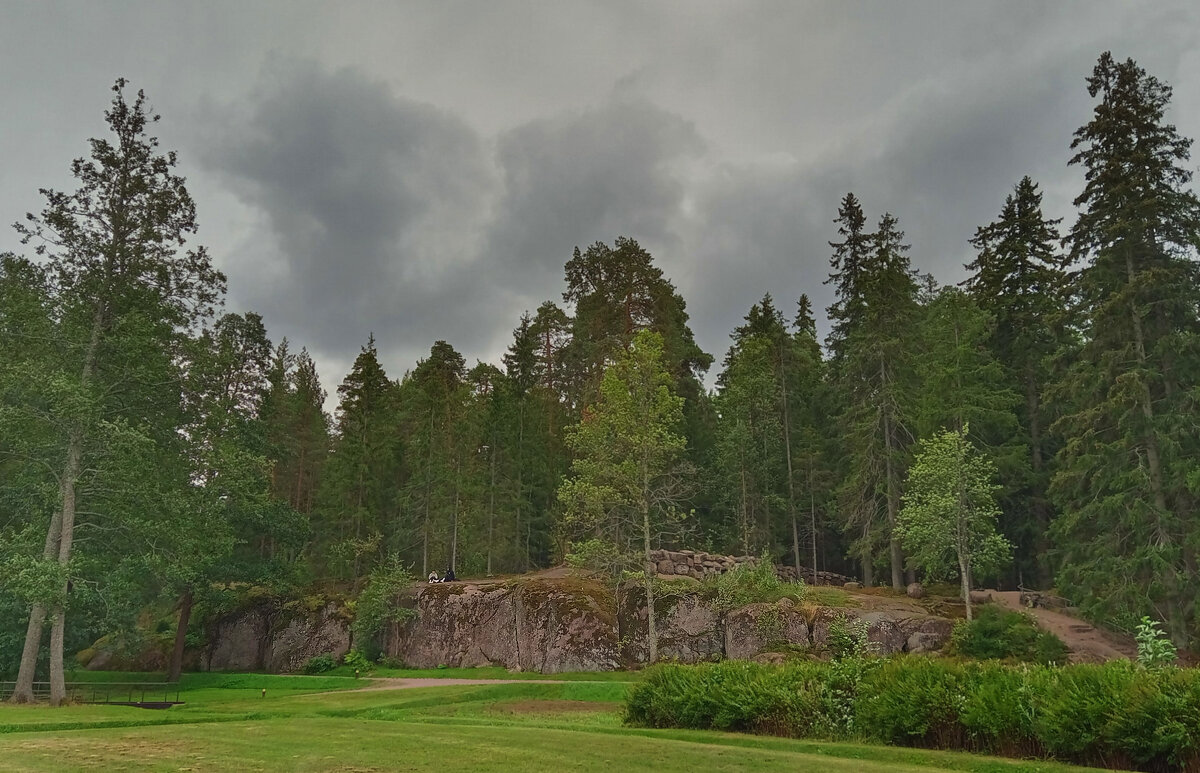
x: 322, y: 724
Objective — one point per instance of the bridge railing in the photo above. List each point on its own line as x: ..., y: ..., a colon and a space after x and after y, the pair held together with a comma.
x: 124, y: 693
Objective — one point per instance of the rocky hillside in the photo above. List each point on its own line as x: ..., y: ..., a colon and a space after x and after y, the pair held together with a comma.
x: 552, y: 624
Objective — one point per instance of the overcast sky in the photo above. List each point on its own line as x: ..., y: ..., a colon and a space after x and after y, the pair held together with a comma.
x: 424, y: 170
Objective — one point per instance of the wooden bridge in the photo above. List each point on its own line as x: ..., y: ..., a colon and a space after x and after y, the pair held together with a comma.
x: 144, y: 695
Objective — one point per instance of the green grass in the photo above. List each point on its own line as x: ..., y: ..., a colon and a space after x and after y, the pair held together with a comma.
x: 302, y: 726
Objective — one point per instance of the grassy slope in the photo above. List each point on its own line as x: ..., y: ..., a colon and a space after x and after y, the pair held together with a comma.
x: 228, y: 725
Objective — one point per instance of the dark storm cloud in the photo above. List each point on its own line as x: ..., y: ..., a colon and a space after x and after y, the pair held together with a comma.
x: 372, y: 203
x: 569, y: 181
x: 388, y: 215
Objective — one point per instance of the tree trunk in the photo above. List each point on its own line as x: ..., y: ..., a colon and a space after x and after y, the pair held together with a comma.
x: 491, y: 507
x: 868, y: 561
x: 454, y: 522
x: 58, y: 539
x: 428, y: 497
x: 892, y: 493
x: 651, y: 627
x: 23, y: 691
x: 58, y: 694
x: 965, y: 573
x: 1176, y: 624
x: 787, y: 448
x: 185, y: 615
x: 812, y: 522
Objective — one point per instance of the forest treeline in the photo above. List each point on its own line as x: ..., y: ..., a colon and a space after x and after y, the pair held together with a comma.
x: 153, y: 449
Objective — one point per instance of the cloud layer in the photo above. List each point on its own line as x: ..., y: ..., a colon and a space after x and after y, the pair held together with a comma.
x: 423, y: 171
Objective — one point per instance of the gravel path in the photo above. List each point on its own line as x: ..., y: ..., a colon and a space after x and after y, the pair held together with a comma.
x: 1088, y: 644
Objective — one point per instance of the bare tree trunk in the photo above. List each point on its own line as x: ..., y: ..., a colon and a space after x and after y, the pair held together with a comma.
x: 812, y: 518
x: 428, y: 496
x: 787, y: 447
x: 23, y: 691
x: 892, y: 493
x: 454, y: 522
x: 965, y: 572
x: 651, y: 626
x: 868, y: 561
x: 491, y: 506
x: 185, y: 614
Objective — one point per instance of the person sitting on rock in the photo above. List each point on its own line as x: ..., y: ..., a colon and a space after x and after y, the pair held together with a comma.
x: 433, y: 577
x: 449, y: 575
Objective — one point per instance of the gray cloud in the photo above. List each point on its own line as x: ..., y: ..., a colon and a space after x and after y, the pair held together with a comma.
x: 373, y: 205
x: 424, y: 171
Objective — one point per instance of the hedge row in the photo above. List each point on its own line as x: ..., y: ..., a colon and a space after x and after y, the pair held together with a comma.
x: 1114, y: 715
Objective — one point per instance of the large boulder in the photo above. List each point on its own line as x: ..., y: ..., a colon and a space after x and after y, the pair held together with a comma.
x: 546, y: 625
x: 237, y: 641
x: 888, y: 632
x: 689, y: 629
x: 757, y: 628
x: 299, y: 638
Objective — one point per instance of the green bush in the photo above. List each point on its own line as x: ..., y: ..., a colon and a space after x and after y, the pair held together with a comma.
x: 754, y: 583
x: 1000, y: 634
x: 1154, y: 649
x: 356, y: 659
x: 1114, y: 715
x: 319, y: 664
x: 378, y: 605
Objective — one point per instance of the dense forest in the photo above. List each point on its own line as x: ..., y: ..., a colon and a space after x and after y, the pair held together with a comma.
x: 157, y: 451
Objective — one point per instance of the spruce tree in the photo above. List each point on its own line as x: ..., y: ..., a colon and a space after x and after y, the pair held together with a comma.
x: 1018, y: 279
x: 1127, y: 530
x: 873, y: 368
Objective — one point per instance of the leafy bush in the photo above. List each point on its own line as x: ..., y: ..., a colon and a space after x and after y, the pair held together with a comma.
x: 319, y: 664
x: 357, y: 660
x: 1115, y: 715
x: 754, y: 583
x: 1000, y: 634
x: 1154, y: 649
x: 378, y: 604
x: 848, y: 639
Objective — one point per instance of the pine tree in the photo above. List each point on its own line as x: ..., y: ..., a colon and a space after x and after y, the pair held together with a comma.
x: 873, y: 369
x: 626, y: 480
x: 357, y: 498
x: 127, y: 293
x: 1018, y: 279
x: 1127, y: 530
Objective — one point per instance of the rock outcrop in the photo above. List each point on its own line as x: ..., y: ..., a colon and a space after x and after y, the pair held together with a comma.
x: 551, y: 625
x: 537, y: 625
x: 267, y: 637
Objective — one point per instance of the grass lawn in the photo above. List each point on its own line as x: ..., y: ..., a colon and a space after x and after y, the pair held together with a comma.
x: 317, y: 724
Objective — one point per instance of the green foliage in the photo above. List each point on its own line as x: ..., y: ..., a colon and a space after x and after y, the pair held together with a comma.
x: 597, y: 555
x: 948, y: 524
x: 319, y: 664
x: 847, y: 638
x: 754, y: 583
x: 358, y: 661
x: 379, y: 603
x: 1154, y: 649
x: 1112, y: 715
x: 1001, y: 634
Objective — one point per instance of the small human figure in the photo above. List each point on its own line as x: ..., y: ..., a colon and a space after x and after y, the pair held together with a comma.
x: 449, y: 575
x: 433, y: 577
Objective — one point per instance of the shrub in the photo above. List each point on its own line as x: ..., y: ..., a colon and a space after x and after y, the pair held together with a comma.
x: 1115, y: 715
x: 1000, y: 634
x: 754, y: 583
x: 357, y: 660
x: 378, y: 604
x: 1154, y: 649
x: 319, y: 664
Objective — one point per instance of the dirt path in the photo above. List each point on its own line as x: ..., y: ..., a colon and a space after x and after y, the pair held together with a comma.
x: 1087, y: 643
